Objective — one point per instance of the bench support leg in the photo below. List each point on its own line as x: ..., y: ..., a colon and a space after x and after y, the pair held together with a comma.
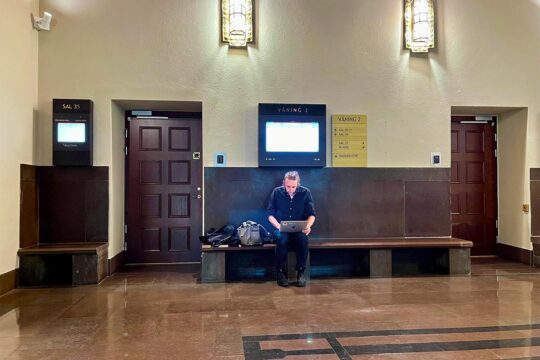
x: 380, y: 263
x: 536, y: 260
x: 460, y: 261
x: 32, y: 270
x: 85, y: 269
x: 213, y: 267
x: 291, y: 267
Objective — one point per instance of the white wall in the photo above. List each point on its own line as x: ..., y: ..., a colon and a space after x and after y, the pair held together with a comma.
x: 18, y: 100
x: 347, y: 54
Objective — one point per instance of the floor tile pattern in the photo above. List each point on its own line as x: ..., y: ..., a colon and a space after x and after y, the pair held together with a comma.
x: 344, y: 345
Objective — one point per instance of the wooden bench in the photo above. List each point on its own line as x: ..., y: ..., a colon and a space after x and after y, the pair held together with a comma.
x: 456, y: 259
x: 63, y: 264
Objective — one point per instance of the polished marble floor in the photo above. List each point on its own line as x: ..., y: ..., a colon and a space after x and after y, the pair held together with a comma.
x: 164, y: 313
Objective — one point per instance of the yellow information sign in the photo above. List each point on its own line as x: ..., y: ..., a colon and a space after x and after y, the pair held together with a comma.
x: 349, y: 140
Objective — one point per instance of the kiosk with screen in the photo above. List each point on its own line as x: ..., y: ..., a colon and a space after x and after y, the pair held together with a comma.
x: 292, y: 135
x: 72, y: 132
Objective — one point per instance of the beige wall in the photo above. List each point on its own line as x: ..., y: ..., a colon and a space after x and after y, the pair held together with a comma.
x: 347, y: 54
x: 514, y: 188
x: 18, y: 100
x: 117, y: 178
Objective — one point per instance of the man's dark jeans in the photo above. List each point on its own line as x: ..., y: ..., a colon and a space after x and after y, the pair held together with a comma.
x: 296, y: 241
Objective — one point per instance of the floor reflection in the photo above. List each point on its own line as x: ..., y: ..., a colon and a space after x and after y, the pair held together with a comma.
x: 164, y: 313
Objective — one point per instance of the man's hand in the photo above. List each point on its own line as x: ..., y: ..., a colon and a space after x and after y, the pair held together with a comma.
x: 310, y: 221
x: 274, y: 222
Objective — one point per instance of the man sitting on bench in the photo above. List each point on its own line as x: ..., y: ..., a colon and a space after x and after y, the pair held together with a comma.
x: 291, y: 202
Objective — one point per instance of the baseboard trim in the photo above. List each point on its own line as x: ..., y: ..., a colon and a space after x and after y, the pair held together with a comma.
x: 514, y: 253
x: 117, y: 262
x: 8, y: 281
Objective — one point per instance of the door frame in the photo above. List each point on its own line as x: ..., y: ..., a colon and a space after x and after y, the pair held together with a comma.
x: 483, y: 119
x: 161, y: 115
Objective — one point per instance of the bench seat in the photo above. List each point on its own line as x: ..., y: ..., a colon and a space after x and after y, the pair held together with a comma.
x: 63, y: 264
x: 380, y: 254
x: 75, y: 248
x: 391, y: 243
x: 368, y: 243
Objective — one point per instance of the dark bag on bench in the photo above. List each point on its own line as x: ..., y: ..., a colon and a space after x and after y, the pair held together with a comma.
x: 222, y: 236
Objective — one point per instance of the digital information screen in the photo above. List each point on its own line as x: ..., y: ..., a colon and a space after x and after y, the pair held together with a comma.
x: 71, y: 132
x: 292, y: 136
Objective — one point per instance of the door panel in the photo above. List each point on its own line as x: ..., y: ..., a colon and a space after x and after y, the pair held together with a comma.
x: 473, y: 184
x: 164, y: 197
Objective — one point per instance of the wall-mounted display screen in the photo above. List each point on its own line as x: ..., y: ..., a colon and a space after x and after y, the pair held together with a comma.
x: 292, y: 136
x: 71, y: 132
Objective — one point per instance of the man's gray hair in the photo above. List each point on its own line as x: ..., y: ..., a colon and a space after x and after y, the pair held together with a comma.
x: 292, y: 175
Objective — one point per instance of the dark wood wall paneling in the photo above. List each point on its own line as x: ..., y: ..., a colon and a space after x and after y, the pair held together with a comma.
x: 535, y: 214
x: 350, y: 202
x: 73, y: 204
x: 64, y: 204
x: 28, y: 223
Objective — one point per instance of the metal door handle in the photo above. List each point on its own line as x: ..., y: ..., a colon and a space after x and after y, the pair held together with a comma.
x: 196, y: 196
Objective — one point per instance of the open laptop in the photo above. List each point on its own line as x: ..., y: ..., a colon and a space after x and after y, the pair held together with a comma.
x: 293, y: 226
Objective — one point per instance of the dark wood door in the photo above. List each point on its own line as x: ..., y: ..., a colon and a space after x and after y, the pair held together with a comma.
x: 473, y: 185
x: 164, y: 190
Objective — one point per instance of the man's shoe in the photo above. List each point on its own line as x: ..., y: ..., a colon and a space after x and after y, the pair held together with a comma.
x: 301, y: 279
x: 282, y: 279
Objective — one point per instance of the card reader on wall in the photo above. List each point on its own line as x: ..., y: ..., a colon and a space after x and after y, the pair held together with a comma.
x: 72, y: 132
x: 220, y: 160
x: 435, y: 159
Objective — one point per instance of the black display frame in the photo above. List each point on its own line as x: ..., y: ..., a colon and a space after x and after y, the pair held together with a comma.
x: 73, y: 111
x: 292, y: 113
